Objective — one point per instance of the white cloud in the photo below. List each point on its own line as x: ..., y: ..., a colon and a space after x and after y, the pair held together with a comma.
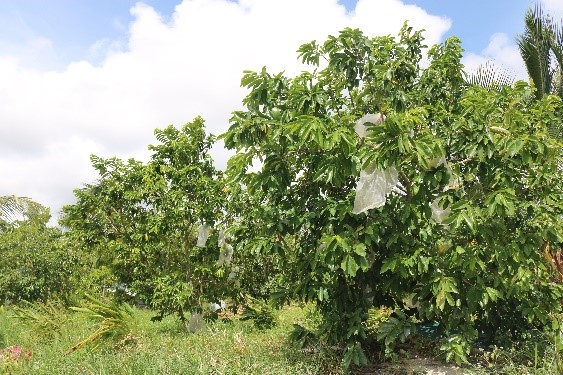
x: 34, y: 49
x: 387, y: 17
x: 168, y: 73
x: 50, y: 178
x: 554, y: 8
x: 503, y: 53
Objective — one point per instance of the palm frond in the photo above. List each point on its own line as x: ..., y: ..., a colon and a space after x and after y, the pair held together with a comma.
x: 556, y: 42
x: 45, y: 318
x: 491, y: 76
x: 536, y: 47
x: 13, y: 207
x: 556, y: 45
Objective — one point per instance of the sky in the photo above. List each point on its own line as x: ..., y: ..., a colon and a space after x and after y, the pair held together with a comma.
x: 98, y: 76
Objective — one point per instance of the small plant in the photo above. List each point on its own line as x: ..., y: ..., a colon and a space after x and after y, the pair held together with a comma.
x: 387, y: 325
x: 260, y: 312
x: 302, y: 337
x: 116, y: 322
x: 456, y: 348
x: 376, y: 316
x: 45, y: 318
x: 555, y: 340
x: 536, y: 352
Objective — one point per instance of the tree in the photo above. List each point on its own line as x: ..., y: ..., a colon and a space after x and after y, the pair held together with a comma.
x: 466, y: 180
x: 141, y: 222
x: 35, y: 263
x: 541, y: 48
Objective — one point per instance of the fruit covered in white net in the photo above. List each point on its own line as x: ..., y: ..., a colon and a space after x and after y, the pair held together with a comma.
x: 373, y: 187
x: 202, y: 235
x: 362, y: 129
x: 439, y: 214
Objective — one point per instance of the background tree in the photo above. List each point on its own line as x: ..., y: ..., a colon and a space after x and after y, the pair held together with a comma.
x: 35, y: 262
x: 13, y: 207
x: 541, y: 47
x: 142, y: 220
x: 471, y: 196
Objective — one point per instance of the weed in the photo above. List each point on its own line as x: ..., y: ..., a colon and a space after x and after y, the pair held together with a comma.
x: 115, y: 322
x: 44, y: 318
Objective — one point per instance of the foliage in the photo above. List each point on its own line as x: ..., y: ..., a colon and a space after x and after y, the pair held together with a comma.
x: 13, y: 208
x: 254, y: 252
x: 537, y: 353
x: 44, y: 318
x: 396, y: 328
x: 479, y: 269
x: 261, y: 313
x: 541, y: 48
x: 303, y: 338
x: 140, y: 221
x: 457, y: 348
x: 389, y: 326
x: 164, y: 347
x: 375, y: 317
x: 232, y: 348
x: 35, y: 262
x: 115, y: 322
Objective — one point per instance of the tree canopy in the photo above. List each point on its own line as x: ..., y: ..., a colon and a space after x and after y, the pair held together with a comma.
x: 142, y: 221
x: 472, y: 194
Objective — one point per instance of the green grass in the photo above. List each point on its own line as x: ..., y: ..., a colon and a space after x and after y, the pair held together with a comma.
x: 223, y: 347
x: 235, y: 347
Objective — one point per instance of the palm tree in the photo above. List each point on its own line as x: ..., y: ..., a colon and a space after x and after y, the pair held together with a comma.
x: 541, y: 47
x: 13, y: 207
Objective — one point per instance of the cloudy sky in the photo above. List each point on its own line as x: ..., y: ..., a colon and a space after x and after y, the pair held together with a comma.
x: 98, y: 76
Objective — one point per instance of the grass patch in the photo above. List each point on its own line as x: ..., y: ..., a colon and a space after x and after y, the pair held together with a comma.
x: 226, y: 347
x: 232, y: 347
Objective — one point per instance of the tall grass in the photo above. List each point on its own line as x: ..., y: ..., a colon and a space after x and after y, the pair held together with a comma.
x: 234, y: 347
x: 231, y: 346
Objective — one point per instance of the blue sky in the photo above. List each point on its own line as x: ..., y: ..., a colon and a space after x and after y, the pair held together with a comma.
x: 74, y: 26
x: 474, y: 21
x: 82, y: 77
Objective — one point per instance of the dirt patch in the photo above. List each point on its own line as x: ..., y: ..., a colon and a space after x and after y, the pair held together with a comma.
x: 414, y: 366
x: 431, y: 367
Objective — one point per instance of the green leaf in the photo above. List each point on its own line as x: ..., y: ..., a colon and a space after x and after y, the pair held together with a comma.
x: 493, y: 294
x: 349, y: 265
x: 360, y: 249
x: 354, y: 354
x: 515, y: 146
x: 388, y: 265
x: 443, y: 292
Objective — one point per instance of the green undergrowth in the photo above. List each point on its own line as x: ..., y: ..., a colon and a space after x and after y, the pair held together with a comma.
x: 224, y: 347
x: 227, y: 346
